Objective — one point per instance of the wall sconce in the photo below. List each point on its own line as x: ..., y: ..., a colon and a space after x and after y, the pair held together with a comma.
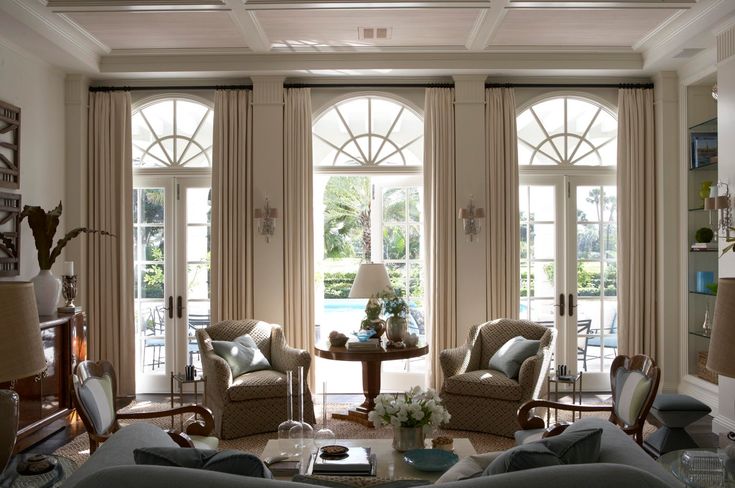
x: 470, y: 219
x: 722, y: 205
x: 267, y: 224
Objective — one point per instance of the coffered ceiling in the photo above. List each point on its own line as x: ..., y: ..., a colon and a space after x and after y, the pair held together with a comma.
x: 230, y: 35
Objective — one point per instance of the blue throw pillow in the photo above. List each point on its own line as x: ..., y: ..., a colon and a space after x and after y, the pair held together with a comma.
x: 509, y: 358
x: 242, y: 355
x: 231, y: 462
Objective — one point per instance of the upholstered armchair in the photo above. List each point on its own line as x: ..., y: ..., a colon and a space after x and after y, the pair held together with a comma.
x: 253, y: 402
x: 486, y: 400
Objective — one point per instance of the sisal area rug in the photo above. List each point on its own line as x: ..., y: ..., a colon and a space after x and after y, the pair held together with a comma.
x: 78, y: 448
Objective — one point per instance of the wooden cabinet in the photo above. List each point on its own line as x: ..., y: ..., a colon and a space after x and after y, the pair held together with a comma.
x: 45, y: 400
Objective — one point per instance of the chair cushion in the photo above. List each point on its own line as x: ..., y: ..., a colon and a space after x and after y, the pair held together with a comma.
x: 483, y: 383
x: 510, y: 356
x: 267, y: 383
x: 242, y: 355
x: 679, y: 403
x: 631, y: 390
x: 96, y: 396
x: 229, y: 461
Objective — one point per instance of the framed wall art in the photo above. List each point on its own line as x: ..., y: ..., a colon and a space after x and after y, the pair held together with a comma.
x: 10, y: 207
x: 9, y: 146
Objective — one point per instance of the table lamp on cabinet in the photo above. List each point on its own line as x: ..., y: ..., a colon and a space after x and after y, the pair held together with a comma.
x: 21, y: 355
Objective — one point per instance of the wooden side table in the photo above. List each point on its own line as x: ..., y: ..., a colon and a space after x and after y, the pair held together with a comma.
x: 181, y: 380
x: 370, y: 373
x: 556, y: 380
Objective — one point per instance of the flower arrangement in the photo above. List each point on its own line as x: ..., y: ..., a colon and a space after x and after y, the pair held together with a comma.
x: 394, y: 305
x: 414, y: 408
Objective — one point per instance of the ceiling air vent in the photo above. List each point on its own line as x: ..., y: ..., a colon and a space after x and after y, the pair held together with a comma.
x: 373, y: 33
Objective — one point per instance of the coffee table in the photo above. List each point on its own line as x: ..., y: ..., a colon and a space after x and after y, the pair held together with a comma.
x: 387, y: 456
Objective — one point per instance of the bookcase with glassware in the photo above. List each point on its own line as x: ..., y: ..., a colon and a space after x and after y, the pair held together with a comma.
x: 703, y: 221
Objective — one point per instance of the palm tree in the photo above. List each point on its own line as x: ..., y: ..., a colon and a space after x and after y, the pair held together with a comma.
x: 347, y: 202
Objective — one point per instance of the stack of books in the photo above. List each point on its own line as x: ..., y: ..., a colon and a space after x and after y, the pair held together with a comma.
x: 368, y: 345
x: 358, y: 461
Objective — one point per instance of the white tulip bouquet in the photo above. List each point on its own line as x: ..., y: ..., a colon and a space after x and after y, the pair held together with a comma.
x: 414, y: 408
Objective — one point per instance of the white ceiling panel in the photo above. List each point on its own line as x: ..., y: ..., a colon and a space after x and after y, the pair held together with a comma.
x: 160, y: 30
x: 583, y: 27
x: 339, y: 27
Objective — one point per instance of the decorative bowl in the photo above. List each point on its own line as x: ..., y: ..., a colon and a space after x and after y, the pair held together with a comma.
x: 365, y: 334
x: 430, y: 459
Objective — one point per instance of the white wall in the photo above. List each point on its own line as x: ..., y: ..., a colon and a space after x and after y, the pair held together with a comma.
x: 38, y: 89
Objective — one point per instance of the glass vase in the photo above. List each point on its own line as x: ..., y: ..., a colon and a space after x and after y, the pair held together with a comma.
x: 324, y: 436
x: 301, y: 434
x: 284, y: 428
x: 407, y: 438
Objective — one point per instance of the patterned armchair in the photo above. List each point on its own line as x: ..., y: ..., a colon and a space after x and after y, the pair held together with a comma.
x: 485, y: 400
x: 253, y: 402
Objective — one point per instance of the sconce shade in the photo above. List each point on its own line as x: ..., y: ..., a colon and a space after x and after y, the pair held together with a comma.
x: 722, y: 341
x: 709, y: 203
x: 21, y: 349
x: 267, y: 212
x: 480, y: 213
x: 722, y: 202
x: 371, y: 279
x: 464, y: 213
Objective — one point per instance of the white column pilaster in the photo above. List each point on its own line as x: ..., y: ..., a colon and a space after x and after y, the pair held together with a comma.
x: 268, y: 290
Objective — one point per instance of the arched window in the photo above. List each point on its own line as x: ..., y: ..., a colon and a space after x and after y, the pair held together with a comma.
x: 567, y: 131
x: 173, y: 132
x: 369, y: 131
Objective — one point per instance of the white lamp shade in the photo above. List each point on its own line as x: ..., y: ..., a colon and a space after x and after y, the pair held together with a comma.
x: 371, y: 279
x: 21, y: 349
x: 722, y: 342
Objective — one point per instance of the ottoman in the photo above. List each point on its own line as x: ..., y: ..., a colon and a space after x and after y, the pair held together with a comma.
x: 675, y: 412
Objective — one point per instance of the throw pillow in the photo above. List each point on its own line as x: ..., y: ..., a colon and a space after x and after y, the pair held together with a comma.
x: 242, y: 355
x: 576, y: 447
x: 631, y: 390
x: 529, y: 456
x: 96, y: 396
x: 229, y: 461
x: 510, y: 356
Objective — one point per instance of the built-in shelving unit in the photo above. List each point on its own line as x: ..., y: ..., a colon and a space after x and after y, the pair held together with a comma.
x: 699, y: 260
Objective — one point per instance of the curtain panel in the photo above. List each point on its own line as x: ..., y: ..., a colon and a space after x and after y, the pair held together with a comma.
x: 503, y: 234
x: 636, y: 177
x: 440, y: 227
x: 232, y: 207
x: 298, y: 219
x: 109, y: 269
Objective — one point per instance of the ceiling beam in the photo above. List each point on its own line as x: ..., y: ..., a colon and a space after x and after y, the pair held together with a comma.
x: 133, y: 5
x: 361, y: 5
x: 486, y: 26
x: 250, y: 29
x: 587, y: 4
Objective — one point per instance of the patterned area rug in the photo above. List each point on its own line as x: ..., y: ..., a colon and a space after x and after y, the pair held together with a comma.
x: 78, y: 448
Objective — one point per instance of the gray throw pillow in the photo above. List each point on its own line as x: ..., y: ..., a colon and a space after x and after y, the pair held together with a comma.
x: 242, y: 355
x: 509, y: 358
x: 529, y: 456
x: 231, y: 462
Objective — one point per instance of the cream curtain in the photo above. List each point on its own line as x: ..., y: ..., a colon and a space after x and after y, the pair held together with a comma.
x: 440, y: 218
x: 636, y: 223
x: 232, y: 207
x: 109, y: 269
x: 503, y: 239
x: 298, y: 220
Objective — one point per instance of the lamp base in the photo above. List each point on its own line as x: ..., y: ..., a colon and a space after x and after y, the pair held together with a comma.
x: 9, y: 402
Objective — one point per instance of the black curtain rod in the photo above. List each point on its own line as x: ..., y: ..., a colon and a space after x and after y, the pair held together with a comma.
x: 569, y: 85
x: 169, y: 88
x: 368, y: 85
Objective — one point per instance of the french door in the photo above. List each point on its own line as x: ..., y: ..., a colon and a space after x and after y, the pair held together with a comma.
x: 172, y: 228
x: 569, y: 267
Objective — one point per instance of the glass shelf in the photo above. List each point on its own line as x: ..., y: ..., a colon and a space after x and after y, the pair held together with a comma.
x: 699, y: 333
x: 704, y: 167
x: 703, y: 250
x: 698, y: 209
x: 706, y: 126
x: 702, y: 293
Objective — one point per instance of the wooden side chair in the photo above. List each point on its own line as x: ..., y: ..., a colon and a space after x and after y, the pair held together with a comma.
x: 95, y: 389
x: 634, y: 382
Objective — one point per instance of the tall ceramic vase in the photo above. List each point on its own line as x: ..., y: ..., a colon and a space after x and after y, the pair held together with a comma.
x: 48, y: 290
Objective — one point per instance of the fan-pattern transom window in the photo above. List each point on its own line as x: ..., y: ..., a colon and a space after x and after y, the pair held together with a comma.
x: 567, y: 131
x: 174, y: 132
x: 369, y: 131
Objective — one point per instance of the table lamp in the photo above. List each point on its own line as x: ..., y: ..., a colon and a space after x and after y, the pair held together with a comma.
x: 21, y: 355
x: 371, y: 280
x: 722, y: 341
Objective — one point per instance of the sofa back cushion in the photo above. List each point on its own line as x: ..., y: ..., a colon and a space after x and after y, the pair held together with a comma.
x: 228, y: 461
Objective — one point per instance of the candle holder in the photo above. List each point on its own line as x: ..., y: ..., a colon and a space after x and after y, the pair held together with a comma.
x: 69, y: 292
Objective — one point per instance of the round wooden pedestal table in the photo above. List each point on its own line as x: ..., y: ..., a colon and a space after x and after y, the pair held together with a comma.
x: 370, y: 373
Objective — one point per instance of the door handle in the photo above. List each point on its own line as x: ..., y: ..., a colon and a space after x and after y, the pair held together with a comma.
x: 170, y: 307
x: 179, y: 306
x: 572, y: 306
x: 561, y: 304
